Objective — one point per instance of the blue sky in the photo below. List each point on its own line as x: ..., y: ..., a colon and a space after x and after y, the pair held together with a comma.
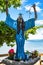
x: 26, y: 5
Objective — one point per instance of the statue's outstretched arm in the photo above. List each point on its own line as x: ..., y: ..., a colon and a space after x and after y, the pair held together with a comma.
x: 31, y: 22
x: 35, y: 12
x: 10, y: 22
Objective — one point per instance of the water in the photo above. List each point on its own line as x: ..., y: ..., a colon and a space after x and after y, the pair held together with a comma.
x: 32, y: 45
x: 34, y: 42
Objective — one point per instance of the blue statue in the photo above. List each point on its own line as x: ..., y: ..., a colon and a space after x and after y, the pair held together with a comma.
x: 20, y: 26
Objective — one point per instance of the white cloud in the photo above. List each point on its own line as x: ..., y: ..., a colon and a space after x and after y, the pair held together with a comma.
x: 37, y: 36
x: 22, y: 1
x: 19, y: 8
x: 39, y: 22
x: 39, y: 32
x: 27, y: 7
x: 37, y: 3
x: 38, y: 9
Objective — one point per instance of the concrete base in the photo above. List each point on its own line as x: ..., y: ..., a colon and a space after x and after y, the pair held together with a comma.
x: 13, y: 62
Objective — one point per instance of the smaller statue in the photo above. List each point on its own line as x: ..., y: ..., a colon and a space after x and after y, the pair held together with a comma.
x: 11, y: 54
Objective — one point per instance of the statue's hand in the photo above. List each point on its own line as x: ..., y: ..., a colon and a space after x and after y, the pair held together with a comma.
x: 34, y: 6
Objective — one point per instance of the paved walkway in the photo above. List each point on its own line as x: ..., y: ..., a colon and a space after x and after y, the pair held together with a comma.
x: 38, y: 63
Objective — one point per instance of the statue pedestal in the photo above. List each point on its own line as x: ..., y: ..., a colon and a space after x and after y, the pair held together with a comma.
x: 13, y: 62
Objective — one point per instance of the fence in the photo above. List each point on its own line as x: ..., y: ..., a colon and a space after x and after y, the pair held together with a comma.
x: 41, y: 55
x: 3, y: 55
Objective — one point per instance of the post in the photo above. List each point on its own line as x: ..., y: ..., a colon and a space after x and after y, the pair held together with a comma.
x: 35, y: 11
x: 6, y: 7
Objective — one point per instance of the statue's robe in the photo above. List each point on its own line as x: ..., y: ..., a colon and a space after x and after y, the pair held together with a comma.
x: 20, y: 39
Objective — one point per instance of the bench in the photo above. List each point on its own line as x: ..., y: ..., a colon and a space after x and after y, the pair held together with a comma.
x: 3, y: 55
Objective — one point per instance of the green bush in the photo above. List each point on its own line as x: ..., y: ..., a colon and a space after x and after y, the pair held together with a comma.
x: 35, y: 54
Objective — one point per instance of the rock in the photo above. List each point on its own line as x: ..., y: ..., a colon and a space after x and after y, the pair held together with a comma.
x: 13, y: 62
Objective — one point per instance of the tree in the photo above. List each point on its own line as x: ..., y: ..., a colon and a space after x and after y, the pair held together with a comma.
x: 8, y: 35
x: 32, y: 30
x: 14, y: 3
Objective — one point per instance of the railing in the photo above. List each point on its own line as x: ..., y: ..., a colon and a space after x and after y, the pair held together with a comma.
x: 3, y: 55
x: 41, y: 60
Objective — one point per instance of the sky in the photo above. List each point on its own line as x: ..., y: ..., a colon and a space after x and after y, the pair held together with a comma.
x: 24, y: 8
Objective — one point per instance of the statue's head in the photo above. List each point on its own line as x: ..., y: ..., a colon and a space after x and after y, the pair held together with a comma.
x: 20, y: 18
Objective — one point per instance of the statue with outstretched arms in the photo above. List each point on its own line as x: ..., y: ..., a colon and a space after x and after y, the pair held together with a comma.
x: 20, y: 26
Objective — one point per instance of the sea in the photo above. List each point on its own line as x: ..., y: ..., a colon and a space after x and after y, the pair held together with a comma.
x: 30, y: 45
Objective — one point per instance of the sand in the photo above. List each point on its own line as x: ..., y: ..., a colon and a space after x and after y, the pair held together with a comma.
x: 38, y: 63
x: 2, y: 64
